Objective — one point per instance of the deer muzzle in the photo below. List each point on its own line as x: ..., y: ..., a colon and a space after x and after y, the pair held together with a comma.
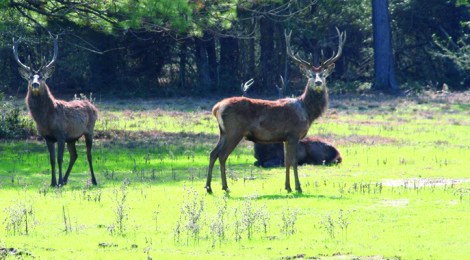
x: 35, y: 83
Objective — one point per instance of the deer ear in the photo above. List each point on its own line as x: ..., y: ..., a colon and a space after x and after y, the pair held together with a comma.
x: 48, y: 72
x: 330, y: 69
x: 24, y: 73
x: 304, y: 71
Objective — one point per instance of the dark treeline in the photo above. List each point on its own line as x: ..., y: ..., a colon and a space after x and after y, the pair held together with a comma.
x: 427, y: 38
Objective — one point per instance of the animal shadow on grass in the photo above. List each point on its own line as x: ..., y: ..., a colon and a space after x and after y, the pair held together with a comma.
x: 290, y: 196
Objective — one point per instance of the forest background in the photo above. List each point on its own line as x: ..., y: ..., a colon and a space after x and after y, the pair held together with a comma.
x: 169, y: 48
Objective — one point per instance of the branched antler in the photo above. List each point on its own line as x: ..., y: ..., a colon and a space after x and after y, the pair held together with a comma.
x: 324, y: 64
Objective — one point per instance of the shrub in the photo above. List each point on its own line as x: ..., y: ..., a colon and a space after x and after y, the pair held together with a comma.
x: 12, y: 124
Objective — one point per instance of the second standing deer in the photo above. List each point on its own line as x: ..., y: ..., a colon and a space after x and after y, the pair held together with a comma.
x: 57, y: 120
x: 284, y: 120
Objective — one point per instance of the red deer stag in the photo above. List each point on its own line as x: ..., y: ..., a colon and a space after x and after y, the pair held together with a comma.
x: 57, y: 120
x: 311, y: 150
x: 284, y: 120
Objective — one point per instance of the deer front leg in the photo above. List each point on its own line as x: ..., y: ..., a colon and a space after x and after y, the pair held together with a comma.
x: 287, y: 162
x: 60, y: 157
x: 291, y: 152
x: 51, y: 148
x: 294, y: 162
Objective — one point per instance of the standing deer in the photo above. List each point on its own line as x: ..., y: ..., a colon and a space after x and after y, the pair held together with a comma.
x: 310, y: 150
x: 283, y: 120
x: 57, y: 120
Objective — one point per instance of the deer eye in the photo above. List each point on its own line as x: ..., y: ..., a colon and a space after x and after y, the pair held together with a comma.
x: 39, y: 76
x: 31, y: 77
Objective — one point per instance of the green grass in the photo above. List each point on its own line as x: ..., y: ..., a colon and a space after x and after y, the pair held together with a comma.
x: 400, y: 193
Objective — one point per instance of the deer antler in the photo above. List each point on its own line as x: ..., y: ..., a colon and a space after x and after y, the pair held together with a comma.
x: 245, y: 86
x: 291, y: 55
x: 281, y: 88
x: 30, y: 67
x: 324, y: 64
x: 56, y: 50
x: 15, y: 53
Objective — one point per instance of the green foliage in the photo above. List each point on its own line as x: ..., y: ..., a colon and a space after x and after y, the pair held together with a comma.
x: 176, y: 15
x: 13, y: 124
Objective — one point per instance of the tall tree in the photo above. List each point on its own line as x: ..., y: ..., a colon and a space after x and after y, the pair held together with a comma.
x: 384, y: 71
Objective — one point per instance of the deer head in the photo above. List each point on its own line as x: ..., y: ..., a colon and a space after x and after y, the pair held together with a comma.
x: 36, y: 78
x: 317, y: 75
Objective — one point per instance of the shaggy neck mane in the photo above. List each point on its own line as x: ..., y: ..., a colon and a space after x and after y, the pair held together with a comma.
x: 41, y: 106
x: 316, y: 102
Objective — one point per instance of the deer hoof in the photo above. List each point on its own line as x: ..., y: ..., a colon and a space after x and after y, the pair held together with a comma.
x: 208, y: 189
x: 288, y: 189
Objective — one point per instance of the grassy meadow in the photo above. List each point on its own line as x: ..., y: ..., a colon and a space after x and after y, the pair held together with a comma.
x: 402, y: 191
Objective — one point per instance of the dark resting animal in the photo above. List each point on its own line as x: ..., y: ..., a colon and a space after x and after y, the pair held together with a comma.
x: 311, y: 150
x: 57, y: 120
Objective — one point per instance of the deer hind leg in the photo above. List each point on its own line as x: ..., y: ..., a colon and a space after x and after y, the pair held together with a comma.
x: 89, y: 145
x: 51, y: 148
x: 212, y: 158
x: 73, y: 157
x: 225, y: 151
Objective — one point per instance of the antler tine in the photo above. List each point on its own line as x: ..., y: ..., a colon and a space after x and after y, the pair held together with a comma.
x: 56, y: 50
x: 291, y: 55
x: 282, y: 84
x: 247, y: 85
x: 15, y: 53
x: 341, y: 42
x: 281, y: 88
x: 43, y: 60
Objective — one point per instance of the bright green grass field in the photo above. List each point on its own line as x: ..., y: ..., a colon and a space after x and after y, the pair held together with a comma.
x: 402, y: 191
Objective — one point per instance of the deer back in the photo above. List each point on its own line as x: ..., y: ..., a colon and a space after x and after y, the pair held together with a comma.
x: 262, y: 120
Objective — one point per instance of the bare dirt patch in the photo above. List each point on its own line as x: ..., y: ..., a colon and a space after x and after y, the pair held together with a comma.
x: 347, y: 140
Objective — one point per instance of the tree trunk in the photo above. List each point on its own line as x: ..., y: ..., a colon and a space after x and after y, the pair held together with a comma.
x: 229, y: 64
x: 202, y: 63
x: 212, y: 60
x: 266, y: 70
x: 183, y: 61
x: 384, y: 71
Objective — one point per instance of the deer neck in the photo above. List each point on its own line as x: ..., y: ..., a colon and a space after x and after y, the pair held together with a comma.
x: 41, y: 106
x: 315, y: 100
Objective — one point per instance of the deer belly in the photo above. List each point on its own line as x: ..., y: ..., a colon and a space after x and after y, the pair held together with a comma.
x: 265, y: 137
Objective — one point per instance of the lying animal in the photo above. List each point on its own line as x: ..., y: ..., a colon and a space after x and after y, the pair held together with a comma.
x: 311, y: 150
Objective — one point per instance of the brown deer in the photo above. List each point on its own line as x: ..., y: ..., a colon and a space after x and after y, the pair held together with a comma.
x: 283, y: 120
x: 311, y: 150
x: 57, y: 120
